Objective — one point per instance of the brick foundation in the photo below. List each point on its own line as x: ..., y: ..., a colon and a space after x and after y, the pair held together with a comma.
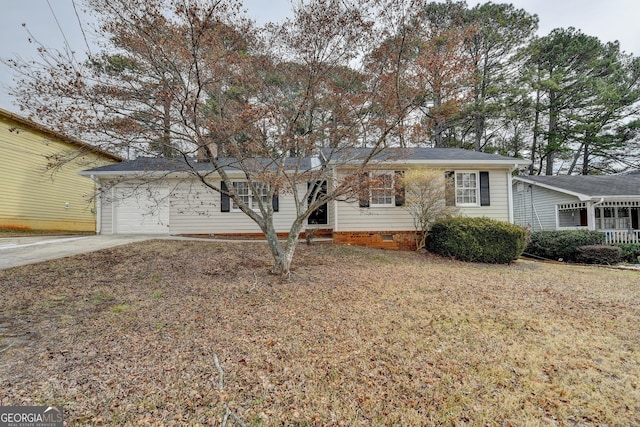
x: 396, y: 240
x: 318, y: 233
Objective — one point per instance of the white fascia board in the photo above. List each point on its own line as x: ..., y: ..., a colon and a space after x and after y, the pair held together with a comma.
x: 630, y: 198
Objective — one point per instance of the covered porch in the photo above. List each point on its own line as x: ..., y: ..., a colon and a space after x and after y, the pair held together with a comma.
x: 618, y: 220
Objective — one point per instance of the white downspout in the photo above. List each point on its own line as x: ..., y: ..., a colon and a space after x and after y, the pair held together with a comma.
x: 510, y: 192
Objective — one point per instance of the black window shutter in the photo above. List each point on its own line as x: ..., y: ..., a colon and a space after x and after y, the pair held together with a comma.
x: 363, y: 192
x: 225, y: 204
x: 275, y: 202
x: 485, y: 199
x: 449, y: 189
x: 399, y: 184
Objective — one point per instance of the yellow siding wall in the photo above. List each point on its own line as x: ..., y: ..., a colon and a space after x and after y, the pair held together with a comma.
x: 35, y: 197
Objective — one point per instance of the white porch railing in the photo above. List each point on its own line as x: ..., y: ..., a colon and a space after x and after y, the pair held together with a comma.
x: 621, y: 236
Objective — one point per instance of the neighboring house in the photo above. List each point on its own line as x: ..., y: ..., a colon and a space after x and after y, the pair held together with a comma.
x: 608, y: 203
x: 33, y: 193
x: 160, y: 196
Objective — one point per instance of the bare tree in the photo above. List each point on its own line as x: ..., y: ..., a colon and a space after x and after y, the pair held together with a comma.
x: 425, y: 199
x: 182, y: 78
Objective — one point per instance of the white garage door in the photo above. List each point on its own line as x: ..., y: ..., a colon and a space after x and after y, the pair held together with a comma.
x: 141, y: 210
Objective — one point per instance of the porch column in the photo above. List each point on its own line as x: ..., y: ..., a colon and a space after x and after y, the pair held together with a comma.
x: 591, y: 215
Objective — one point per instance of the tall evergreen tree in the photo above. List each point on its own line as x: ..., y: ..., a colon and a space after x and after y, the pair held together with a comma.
x: 560, y: 68
x: 497, y: 31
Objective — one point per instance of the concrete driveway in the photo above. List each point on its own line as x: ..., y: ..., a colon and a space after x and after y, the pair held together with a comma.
x: 17, y: 251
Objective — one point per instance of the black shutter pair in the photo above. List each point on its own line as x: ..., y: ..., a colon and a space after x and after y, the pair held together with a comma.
x: 225, y: 200
x: 450, y: 189
x: 364, y: 190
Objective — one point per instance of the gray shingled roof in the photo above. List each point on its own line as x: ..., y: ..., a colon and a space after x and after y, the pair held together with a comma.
x: 453, y: 155
x: 159, y: 164
x: 422, y: 154
x: 592, y: 185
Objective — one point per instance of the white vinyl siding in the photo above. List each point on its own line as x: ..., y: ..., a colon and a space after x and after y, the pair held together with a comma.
x: 195, y: 209
x: 106, y: 214
x: 499, y: 193
x: 351, y: 217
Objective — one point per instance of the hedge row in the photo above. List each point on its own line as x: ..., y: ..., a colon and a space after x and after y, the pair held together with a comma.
x: 490, y: 241
x: 599, y: 254
x: 630, y: 252
x: 561, y: 245
x: 477, y: 240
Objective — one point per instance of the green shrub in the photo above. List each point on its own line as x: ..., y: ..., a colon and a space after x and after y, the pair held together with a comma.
x: 630, y: 252
x: 599, y: 254
x: 561, y: 245
x: 477, y: 240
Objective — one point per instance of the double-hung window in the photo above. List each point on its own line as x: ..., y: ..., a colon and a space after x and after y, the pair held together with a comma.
x: 244, y: 193
x: 467, y: 188
x: 262, y: 193
x: 382, y: 190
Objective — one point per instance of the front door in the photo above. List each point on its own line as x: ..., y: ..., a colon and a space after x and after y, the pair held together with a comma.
x: 320, y: 215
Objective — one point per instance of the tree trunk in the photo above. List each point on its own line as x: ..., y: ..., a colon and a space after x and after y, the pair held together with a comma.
x: 534, y: 143
x: 283, y: 253
x: 585, y: 159
x: 282, y: 266
x: 552, y: 143
x: 479, y: 132
x: 575, y: 159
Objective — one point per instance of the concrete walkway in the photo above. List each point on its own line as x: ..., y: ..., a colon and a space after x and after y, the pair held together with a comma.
x: 17, y: 251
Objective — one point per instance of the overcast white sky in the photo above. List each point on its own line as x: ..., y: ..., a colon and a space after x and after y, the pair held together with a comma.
x: 608, y: 20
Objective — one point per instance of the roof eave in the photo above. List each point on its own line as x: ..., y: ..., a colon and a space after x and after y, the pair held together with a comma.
x: 57, y: 135
x: 581, y: 196
x: 440, y: 163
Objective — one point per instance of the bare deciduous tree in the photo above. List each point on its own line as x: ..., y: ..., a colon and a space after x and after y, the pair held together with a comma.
x: 425, y: 193
x: 182, y: 78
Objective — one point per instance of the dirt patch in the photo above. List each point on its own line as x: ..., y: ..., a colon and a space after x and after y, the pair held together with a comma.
x: 353, y: 337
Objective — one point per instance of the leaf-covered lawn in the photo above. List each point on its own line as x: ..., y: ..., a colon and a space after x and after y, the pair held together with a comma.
x: 355, y: 336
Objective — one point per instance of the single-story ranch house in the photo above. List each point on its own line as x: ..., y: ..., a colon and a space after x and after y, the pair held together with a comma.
x: 39, y: 182
x: 162, y: 196
x: 609, y: 203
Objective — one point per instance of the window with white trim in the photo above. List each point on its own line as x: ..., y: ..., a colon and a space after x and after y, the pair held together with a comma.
x: 382, y: 190
x: 243, y: 191
x: 467, y: 188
